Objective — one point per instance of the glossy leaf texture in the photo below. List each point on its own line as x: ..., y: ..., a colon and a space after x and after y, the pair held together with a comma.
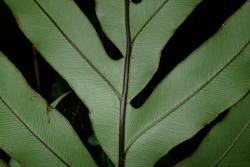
x: 31, y: 132
x: 228, y: 143
x: 210, y: 80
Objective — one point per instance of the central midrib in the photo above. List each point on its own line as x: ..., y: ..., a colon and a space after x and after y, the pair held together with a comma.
x: 124, y: 97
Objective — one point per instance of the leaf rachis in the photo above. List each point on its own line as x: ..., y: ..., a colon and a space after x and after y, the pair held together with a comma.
x: 123, y: 100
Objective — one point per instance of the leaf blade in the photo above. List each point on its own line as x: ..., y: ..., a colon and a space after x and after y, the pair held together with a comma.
x: 14, y: 163
x: 154, y: 22
x: 91, y: 88
x: 104, y: 105
x: 55, y: 102
x: 40, y: 134
x: 228, y: 142
x: 210, y: 95
x: 2, y: 163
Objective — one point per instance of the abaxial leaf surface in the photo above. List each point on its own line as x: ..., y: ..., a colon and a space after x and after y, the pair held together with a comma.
x: 32, y: 132
x: 2, y: 163
x: 14, y: 163
x: 210, y: 80
x: 228, y: 142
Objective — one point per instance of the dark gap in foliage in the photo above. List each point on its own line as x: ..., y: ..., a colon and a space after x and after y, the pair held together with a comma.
x: 4, y: 156
x: 188, y: 147
x: 136, y: 1
x: 14, y: 45
x: 52, y: 84
x: 88, y: 8
x: 20, y: 51
x: 203, y: 23
x: 78, y: 115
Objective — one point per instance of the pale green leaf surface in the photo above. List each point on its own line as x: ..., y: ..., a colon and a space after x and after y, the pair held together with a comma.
x: 100, y: 97
x: 111, y: 15
x: 172, y: 113
x: 70, y: 35
x: 3, y: 164
x: 152, y: 24
x: 218, y: 76
x: 153, y: 36
x: 31, y: 132
x: 55, y: 102
x: 14, y: 163
x: 90, y: 87
x: 228, y: 143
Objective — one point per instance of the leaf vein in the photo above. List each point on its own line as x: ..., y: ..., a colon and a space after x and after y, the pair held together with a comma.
x: 176, y: 107
x: 147, y: 22
x: 77, y: 49
x: 225, y: 153
x: 33, y: 133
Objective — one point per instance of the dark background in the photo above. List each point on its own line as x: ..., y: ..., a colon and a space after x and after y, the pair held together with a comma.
x: 205, y: 20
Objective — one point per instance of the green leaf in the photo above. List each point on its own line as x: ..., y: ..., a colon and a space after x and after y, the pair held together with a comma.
x: 228, y: 142
x: 93, y: 141
x: 54, y: 103
x: 152, y: 24
x: 76, y: 53
x: 210, y: 80
x: 72, y: 48
x: 2, y: 163
x: 14, y: 163
x: 32, y: 132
